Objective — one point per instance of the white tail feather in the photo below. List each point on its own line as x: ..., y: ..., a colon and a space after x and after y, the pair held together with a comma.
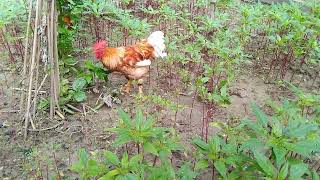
x: 156, y: 40
x: 143, y: 63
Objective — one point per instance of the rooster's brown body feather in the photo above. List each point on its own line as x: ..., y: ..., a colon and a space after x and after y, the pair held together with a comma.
x: 124, y: 59
x: 132, y: 61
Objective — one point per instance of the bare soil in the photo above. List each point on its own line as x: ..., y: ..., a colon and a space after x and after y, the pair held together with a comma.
x: 47, y: 151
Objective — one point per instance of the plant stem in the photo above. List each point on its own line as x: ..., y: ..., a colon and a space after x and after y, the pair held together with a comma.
x: 213, y: 173
x: 56, y: 166
x: 155, y: 161
x: 8, y: 46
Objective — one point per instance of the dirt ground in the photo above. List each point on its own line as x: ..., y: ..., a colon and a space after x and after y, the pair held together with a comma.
x: 47, y: 151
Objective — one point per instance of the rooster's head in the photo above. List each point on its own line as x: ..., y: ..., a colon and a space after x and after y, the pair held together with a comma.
x: 98, y: 48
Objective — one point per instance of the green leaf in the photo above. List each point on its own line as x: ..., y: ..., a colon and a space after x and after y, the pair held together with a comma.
x: 221, y: 167
x: 149, y: 123
x: 315, y: 175
x: 149, y: 147
x: 80, y: 165
x: 302, y: 130
x: 111, y: 157
x: 79, y: 96
x: 251, y: 144
x: 125, y: 160
x: 304, y: 147
x: 200, y: 144
x: 186, y: 173
x: 264, y: 163
x: 130, y: 176
x: 139, y: 118
x: 277, y: 128
x: 79, y: 84
x: 260, y: 115
x: 201, y: 164
x: 280, y: 154
x: 223, y: 91
x: 110, y: 175
x: 297, y: 170
x: 283, y: 172
x: 256, y: 127
x: 89, y: 65
x: 204, y: 79
x: 70, y: 61
x: 83, y: 157
x: 43, y: 104
x: 123, y: 139
x: 93, y: 168
x: 125, y: 117
x: 134, y: 161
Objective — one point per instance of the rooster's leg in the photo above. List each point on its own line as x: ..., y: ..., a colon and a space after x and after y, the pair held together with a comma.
x: 140, y: 81
x: 128, y: 86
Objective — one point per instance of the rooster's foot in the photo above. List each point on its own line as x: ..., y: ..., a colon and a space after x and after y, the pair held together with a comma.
x: 140, y: 81
x: 127, y: 87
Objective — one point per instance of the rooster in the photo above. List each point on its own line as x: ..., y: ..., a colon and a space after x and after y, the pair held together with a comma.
x: 131, y: 61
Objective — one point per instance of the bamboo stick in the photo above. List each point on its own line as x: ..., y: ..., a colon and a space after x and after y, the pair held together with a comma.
x: 51, y: 62
x: 55, y: 53
x: 25, y: 57
x: 34, y: 48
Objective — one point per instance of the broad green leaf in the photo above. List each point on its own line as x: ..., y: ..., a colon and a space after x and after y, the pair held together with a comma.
x: 297, y: 170
x: 202, y: 164
x: 256, y: 127
x: 149, y: 147
x: 200, y: 144
x: 89, y: 64
x: 283, y: 172
x: 223, y: 91
x: 221, y: 167
x: 79, y: 96
x: 264, y: 163
x: 305, y: 147
x: 251, y: 144
x: 79, y: 84
x: 123, y: 139
x: 110, y: 175
x: 70, y: 61
x: 214, y: 144
x: 280, y: 154
x: 93, y: 168
x: 135, y: 160
x: 235, y: 174
x: 302, y: 130
x: 130, y: 176
x: 77, y: 167
x: 185, y: 173
x: 111, y: 157
x: 262, y: 118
